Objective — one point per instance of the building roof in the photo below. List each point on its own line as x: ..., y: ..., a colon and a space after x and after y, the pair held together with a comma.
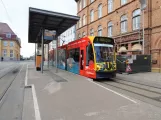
x: 4, y: 28
x: 49, y: 20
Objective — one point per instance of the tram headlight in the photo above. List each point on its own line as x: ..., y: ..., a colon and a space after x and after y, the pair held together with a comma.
x: 98, y: 67
x: 127, y: 61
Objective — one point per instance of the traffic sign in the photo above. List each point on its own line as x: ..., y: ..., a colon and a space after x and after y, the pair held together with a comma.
x: 128, y: 68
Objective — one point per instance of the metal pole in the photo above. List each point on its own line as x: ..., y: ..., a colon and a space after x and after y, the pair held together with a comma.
x: 48, y: 56
x: 143, y: 33
x: 42, y: 48
x: 35, y: 54
x: 56, y: 55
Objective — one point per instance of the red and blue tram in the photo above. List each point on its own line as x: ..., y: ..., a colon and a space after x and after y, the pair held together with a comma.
x: 93, y: 57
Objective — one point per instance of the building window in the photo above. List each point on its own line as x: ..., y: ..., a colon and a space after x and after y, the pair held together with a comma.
x: 79, y: 35
x: 91, y: 32
x: 11, y: 44
x: 110, y: 28
x: 11, y: 54
x: 99, y: 10
x: 92, y: 15
x: 80, y: 23
x: 84, y: 3
x: 8, y: 35
x: 100, y: 30
x: 84, y: 34
x: 123, y: 24
x: 84, y: 20
x: 110, y: 6
x: 136, y: 19
x: 4, y: 53
x: 5, y: 43
x: 123, y: 2
x: 80, y: 5
x: 91, y: 1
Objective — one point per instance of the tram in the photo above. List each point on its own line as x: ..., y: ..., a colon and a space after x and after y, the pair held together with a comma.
x: 92, y: 56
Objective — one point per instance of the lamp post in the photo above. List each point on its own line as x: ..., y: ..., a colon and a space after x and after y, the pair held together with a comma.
x: 143, y: 7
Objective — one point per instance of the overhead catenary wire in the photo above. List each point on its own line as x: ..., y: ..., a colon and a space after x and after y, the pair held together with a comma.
x: 8, y: 15
x: 6, y: 11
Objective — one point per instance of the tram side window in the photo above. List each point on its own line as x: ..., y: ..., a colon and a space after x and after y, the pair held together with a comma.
x: 89, y: 54
x: 74, y: 53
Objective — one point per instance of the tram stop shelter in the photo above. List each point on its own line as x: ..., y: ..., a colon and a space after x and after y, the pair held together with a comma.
x: 41, y: 20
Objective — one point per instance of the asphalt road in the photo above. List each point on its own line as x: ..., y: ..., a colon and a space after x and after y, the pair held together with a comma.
x: 66, y: 96
x: 12, y: 75
x: 147, y: 93
x: 72, y: 97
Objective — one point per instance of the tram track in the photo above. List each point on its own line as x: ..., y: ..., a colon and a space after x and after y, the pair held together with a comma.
x: 4, y: 65
x: 139, y: 82
x: 7, y: 79
x: 139, y: 86
x: 142, y: 92
x: 5, y: 72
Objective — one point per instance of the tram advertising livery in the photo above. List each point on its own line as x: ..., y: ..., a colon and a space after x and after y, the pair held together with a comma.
x: 93, y: 57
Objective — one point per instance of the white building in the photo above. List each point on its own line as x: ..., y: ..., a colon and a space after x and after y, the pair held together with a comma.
x: 68, y: 36
x: 52, y: 45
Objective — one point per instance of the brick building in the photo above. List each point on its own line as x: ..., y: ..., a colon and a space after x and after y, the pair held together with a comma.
x: 10, y: 44
x: 122, y: 20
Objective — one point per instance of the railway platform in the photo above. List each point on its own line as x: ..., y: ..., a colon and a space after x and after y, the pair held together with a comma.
x: 66, y: 96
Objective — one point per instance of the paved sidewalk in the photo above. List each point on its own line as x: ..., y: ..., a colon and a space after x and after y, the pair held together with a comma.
x: 147, y: 78
x: 66, y: 96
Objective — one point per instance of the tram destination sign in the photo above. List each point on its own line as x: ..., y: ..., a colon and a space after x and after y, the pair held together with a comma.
x: 104, y: 40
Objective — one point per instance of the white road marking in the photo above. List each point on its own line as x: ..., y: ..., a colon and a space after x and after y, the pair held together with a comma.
x: 21, y: 69
x: 36, y: 106
x: 113, y: 91
x: 52, y: 87
x: 26, y: 78
x: 92, y: 114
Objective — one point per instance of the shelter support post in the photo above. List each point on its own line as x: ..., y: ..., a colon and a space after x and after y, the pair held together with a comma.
x: 48, y: 56
x: 35, y: 54
x: 56, y: 55
x: 42, y: 49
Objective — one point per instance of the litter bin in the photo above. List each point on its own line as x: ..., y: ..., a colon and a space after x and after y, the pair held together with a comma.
x: 38, y: 62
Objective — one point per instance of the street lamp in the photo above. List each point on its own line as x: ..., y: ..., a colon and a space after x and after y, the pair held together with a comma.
x: 143, y: 7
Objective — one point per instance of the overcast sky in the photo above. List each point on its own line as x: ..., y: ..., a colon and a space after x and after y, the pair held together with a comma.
x: 17, y: 17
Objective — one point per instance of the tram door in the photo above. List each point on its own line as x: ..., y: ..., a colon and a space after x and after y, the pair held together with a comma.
x: 81, y: 62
